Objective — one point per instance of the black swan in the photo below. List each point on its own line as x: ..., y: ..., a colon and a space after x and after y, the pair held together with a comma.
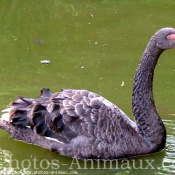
x: 82, y: 124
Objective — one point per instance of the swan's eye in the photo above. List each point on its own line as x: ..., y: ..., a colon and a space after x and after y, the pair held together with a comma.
x: 171, y: 36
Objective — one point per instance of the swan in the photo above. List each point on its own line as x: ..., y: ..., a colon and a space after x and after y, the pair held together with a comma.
x: 82, y: 124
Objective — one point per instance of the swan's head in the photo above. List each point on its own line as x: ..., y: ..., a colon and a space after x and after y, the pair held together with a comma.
x: 165, y: 38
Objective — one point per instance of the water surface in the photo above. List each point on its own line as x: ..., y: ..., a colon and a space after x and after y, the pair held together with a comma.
x: 93, y: 45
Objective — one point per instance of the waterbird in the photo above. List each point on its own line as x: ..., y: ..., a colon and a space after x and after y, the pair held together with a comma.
x: 83, y: 124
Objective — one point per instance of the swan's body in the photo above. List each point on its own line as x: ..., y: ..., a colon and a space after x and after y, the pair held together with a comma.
x: 82, y: 124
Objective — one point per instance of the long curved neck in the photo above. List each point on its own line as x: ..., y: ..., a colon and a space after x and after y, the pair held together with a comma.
x: 148, y: 122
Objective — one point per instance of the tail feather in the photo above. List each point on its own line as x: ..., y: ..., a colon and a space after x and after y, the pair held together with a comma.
x: 27, y: 135
x: 20, y: 118
x: 33, y: 113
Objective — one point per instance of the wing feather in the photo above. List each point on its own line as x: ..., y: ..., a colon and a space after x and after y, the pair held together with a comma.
x: 65, y: 115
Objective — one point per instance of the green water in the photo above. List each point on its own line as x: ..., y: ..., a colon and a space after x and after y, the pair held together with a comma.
x: 94, y: 45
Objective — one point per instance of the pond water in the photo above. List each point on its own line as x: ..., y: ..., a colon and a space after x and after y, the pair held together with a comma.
x: 94, y: 45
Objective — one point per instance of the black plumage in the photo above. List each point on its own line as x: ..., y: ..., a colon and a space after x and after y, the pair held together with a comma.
x: 82, y: 124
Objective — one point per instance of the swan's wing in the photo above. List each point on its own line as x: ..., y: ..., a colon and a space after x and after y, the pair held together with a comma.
x: 68, y: 114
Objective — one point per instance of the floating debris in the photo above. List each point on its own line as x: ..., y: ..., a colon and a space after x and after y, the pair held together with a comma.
x: 104, y: 44
x: 123, y: 83
x: 91, y: 15
x: 39, y: 41
x: 82, y: 67
x: 45, y: 61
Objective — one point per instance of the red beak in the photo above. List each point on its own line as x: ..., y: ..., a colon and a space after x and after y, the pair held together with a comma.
x: 172, y: 36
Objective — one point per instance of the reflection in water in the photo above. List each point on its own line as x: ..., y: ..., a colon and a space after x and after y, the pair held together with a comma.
x: 12, y: 164
x: 168, y: 165
x: 6, y: 164
x: 33, y: 160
